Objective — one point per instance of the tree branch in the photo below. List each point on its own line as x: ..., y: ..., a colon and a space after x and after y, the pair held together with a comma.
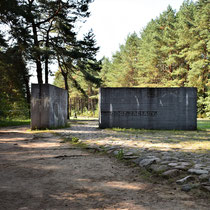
x: 51, y: 17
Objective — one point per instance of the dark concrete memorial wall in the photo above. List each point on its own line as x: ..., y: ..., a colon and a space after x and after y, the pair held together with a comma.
x: 148, y: 108
x: 48, y: 108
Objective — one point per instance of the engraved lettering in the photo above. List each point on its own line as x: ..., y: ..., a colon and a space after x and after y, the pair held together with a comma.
x: 131, y: 113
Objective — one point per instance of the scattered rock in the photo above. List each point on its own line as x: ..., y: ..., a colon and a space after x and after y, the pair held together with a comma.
x: 185, y: 164
x: 198, y: 166
x: 204, y: 177
x: 116, y: 152
x: 137, y: 160
x: 168, y: 162
x: 171, y: 173
x: 169, y: 158
x: 158, y: 168
x: 180, y: 167
x: 165, y: 162
x: 173, y: 164
x: 147, y: 162
x: 186, y: 187
x: 205, y: 186
x: 185, y: 179
x: 91, y: 147
x: 130, y: 157
x: 129, y: 154
x: 197, y: 171
x: 109, y: 151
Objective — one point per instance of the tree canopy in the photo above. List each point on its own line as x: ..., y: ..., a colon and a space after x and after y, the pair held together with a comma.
x: 40, y: 32
x: 37, y: 26
x: 171, y: 51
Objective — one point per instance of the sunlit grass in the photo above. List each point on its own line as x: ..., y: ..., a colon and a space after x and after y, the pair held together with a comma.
x: 15, y: 122
x: 196, y: 141
x: 203, y: 124
x: 39, y: 131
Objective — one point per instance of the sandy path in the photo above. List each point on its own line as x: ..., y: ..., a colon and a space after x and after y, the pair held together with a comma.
x: 37, y: 171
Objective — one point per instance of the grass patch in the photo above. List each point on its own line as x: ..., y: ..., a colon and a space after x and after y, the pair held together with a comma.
x: 188, y: 141
x: 203, y: 124
x: 72, y: 140
x: 68, y: 125
x: 14, y: 122
x: 120, y: 154
x: 83, y: 119
x: 39, y: 131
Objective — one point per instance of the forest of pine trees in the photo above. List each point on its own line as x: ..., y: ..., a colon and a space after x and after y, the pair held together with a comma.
x: 171, y: 51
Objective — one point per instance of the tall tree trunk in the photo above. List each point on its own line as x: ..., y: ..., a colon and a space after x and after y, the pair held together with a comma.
x: 39, y: 71
x: 28, y: 93
x: 37, y: 55
x: 46, y: 69
x: 65, y: 77
x: 47, y: 55
x: 66, y: 88
x: 47, y: 59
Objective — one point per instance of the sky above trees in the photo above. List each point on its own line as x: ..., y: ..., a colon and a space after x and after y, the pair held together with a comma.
x: 113, y: 20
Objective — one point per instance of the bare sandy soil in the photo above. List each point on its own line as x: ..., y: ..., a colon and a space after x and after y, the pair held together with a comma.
x: 38, y: 171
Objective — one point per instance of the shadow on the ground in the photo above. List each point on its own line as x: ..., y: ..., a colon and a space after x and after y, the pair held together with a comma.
x: 35, y: 177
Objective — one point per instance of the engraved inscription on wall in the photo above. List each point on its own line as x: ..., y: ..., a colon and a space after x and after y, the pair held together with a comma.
x: 131, y: 113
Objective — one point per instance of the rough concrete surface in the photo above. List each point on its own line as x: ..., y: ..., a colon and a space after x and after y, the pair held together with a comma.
x: 148, y: 108
x: 48, y: 107
x: 38, y: 171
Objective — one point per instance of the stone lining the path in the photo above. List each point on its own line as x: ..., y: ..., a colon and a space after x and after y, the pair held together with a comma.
x: 188, y: 169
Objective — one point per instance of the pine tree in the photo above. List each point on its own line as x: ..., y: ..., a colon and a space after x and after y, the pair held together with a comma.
x: 185, y: 22
x: 129, y: 54
x: 199, y: 75
x: 32, y: 24
x: 172, y: 50
x: 77, y: 59
x: 149, y: 58
x: 14, y: 84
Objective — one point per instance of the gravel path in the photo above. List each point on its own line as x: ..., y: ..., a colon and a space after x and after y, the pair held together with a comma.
x: 38, y: 171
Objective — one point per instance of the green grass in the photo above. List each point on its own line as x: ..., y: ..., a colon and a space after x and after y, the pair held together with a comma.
x: 15, y: 122
x: 197, y: 141
x: 203, y: 124
x: 120, y: 154
x: 18, y: 122
x: 68, y: 125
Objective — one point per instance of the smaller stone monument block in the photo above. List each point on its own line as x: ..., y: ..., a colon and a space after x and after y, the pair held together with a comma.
x: 148, y: 108
x: 48, y: 106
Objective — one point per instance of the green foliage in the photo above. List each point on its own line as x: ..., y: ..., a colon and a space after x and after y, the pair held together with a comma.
x: 41, y: 32
x: 171, y: 51
x: 74, y: 139
x: 122, y: 70
x: 207, y: 104
x: 120, y: 154
x: 14, y: 89
x: 14, y: 122
x: 203, y: 124
x: 42, y: 29
x: 78, y: 67
x: 87, y: 113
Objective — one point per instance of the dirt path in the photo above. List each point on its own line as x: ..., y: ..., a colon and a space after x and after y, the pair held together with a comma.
x: 37, y: 171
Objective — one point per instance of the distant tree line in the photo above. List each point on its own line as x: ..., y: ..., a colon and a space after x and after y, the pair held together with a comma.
x: 171, y: 51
